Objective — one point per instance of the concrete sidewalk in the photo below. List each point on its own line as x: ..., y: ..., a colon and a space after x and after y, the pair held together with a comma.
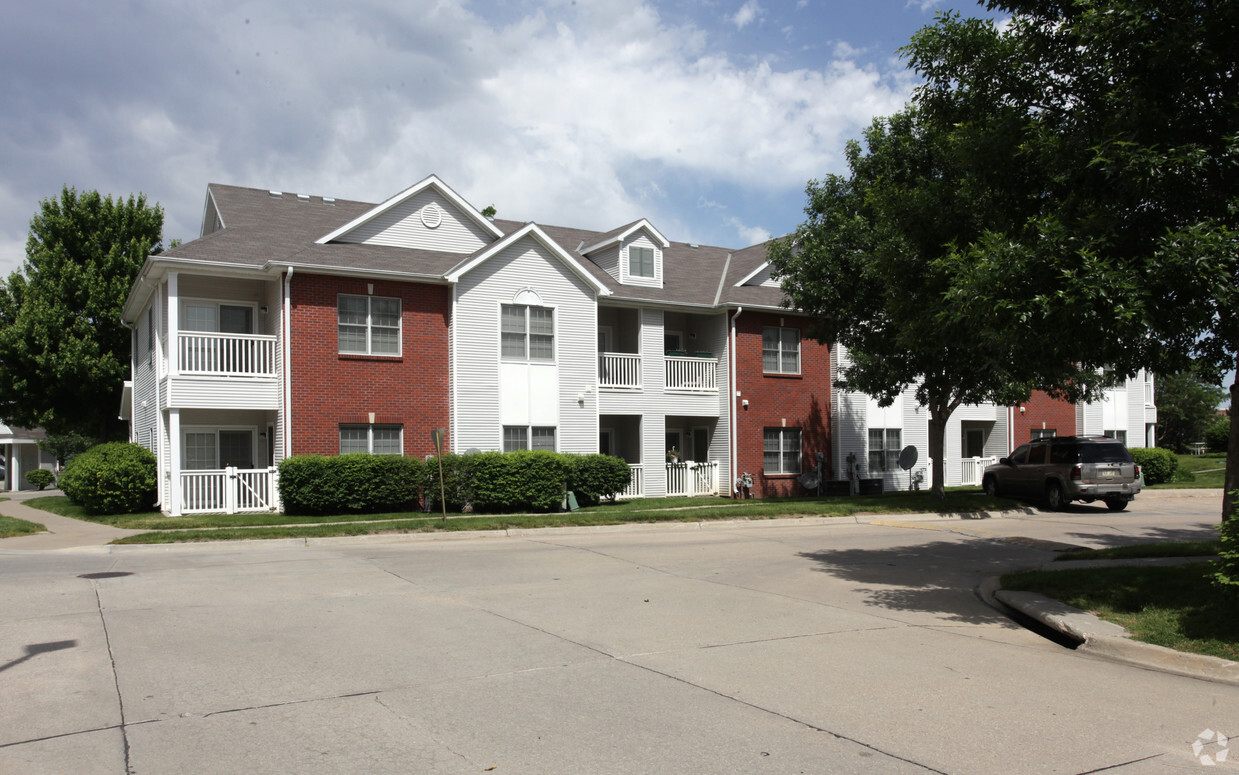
x: 62, y: 532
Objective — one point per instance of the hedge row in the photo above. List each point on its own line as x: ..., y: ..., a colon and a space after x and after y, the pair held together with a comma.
x: 492, y: 482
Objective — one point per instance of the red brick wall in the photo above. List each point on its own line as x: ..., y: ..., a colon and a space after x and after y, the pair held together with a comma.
x: 1059, y: 415
x: 777, y: 400
x: 329, y: 388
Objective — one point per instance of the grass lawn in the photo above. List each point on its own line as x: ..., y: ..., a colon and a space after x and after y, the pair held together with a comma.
x: 1177, y: 607
x: 1208, y: 471
x: 11, y: 526
x: 251, y: 526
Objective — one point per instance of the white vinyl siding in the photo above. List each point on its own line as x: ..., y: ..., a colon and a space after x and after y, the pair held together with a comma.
x: 781, y: 451
x: 368, y: 325
x: 374, y: 439
x: 780, y: 350
x: 403, y: 227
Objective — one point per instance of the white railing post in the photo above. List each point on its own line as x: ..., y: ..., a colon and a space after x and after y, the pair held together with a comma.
x: 231, y: 486
x: 232, y: 355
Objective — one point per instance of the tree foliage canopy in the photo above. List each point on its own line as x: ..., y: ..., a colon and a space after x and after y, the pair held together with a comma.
x: 1186, y: 406
x: 63, y: 351
x: 1084, y: 191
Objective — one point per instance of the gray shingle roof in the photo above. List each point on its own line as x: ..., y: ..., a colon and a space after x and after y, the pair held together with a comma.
x: 261, y: 229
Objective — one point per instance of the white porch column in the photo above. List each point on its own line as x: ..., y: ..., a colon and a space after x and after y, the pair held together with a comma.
x: 15, y: 467
x: 174, y: 468
x: 10, y: 483
x: 174, y: 323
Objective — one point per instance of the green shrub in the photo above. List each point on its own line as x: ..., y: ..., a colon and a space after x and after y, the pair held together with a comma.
x: 458, y: 484
x: 40, y: 477
x: 1217, y: 435
x: 114, y: 478
x: 1227, y: 575
x: 357, y: 483
x: 594, y: 477
x: 518, y: 481
x: 1158, y: 465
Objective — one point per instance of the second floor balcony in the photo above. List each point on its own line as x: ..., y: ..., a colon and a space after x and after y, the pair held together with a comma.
x: 697, y: 373
x: 208, y: 354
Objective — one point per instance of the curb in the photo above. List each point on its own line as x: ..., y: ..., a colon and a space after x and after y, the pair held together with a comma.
x: 1103, y: 639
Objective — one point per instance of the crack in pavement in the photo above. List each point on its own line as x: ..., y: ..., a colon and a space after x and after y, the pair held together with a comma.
x: 120, y: 700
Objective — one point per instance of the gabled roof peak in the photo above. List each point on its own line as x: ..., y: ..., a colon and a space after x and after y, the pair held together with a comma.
x: 623, y: 233
x: 430, y: 181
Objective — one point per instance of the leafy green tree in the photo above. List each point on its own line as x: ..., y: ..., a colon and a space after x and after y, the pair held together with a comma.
x: 63, y: 351
x: 1186, y: 406
x: 1126, y: 114
x: 65, y: 445
x: 878, y: 261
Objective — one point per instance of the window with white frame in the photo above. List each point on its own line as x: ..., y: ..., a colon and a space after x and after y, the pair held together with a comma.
x: 206, y: 449
x: 640, y: 261
x: 527, y: 333
x: 374, y: 439
x: 368, y: 325
x: 780, y: 350
x: 1043, y: 433
x: 150, y: 329
x: 1120, y: 436
x: 884, y: 447
x: 781, y: 451
x: 519, y: 437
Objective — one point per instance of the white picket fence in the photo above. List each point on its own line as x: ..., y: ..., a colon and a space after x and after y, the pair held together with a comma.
x: 229, y: 491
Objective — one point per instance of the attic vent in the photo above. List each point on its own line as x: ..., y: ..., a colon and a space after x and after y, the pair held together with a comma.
x: 276, y: 194
x: 303, y: 197
x: 329, y: 200
x: 693, y: 245
x: 432, y: 216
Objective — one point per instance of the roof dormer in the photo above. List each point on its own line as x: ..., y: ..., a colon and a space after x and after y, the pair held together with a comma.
x: 632, y: 254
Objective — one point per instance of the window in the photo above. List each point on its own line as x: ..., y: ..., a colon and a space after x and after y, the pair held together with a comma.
x: 208, y: 449
x: 1038, y: 454
x: 368, y: 325
x: 780, y: 350
x: 781, y: 451
x: 640, y: 261
x: 1116, y: 435
x: 150, y: 329
x: 217, y: 317
x: 375, y: 439
x: 516, y: 437
x: 527, y: 333
x: 1043, y: 433
x: 884, y: 446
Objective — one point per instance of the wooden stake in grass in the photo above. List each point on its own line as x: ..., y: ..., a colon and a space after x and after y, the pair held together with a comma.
x: 436, y: 436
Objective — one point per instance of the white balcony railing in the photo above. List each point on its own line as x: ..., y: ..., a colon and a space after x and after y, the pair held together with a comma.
x: 228, y: 491
x: 684, y: 479
x: 636, y: 485
x: 619, y: 371
x: 695, y: 375
x: 226, y: 355
x: 971, y: 469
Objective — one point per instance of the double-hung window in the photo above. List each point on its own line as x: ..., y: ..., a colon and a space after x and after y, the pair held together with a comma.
x: 518, y: 437
x: 368, y: 325
x: 640, y: 262
x: 884, y: 447
x: 375, y: 439
x: 527, y: 333
x: 780, y: 350
x: 781, y: 451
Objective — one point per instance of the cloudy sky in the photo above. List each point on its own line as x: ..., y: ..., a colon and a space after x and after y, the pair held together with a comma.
x: 707, y: 117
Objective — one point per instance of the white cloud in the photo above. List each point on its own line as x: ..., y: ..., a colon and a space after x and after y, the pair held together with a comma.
x: 748, y: 13
x: 749, y: 235
x: 585, y: 114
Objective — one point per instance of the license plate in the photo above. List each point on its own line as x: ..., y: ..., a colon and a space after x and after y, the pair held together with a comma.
x: 1108, y: 474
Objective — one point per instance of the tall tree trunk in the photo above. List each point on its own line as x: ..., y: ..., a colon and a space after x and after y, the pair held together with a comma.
x: 937, y: 449
x: 1231, y: 481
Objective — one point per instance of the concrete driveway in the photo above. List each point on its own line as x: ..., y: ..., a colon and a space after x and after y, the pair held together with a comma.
x: 781, y: 647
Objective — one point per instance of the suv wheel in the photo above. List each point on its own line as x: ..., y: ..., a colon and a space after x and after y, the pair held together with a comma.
x: 990, y: 485
x: 1116, y: 504
x: 1054, y: 499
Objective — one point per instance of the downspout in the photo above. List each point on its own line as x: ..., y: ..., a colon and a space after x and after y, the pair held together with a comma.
x: 735, y: 421
x: 288, y: 401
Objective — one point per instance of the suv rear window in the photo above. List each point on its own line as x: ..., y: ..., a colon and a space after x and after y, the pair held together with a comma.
x: 1104, y: 453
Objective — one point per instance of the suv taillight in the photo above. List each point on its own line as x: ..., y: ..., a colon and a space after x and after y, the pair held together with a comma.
x: 1076, y: 473
x: 1137, y: 472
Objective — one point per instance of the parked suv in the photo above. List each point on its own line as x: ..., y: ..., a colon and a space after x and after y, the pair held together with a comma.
x: 1065, y: 469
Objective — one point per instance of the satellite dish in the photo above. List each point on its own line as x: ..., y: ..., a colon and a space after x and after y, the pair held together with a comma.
x: 907, y: 458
